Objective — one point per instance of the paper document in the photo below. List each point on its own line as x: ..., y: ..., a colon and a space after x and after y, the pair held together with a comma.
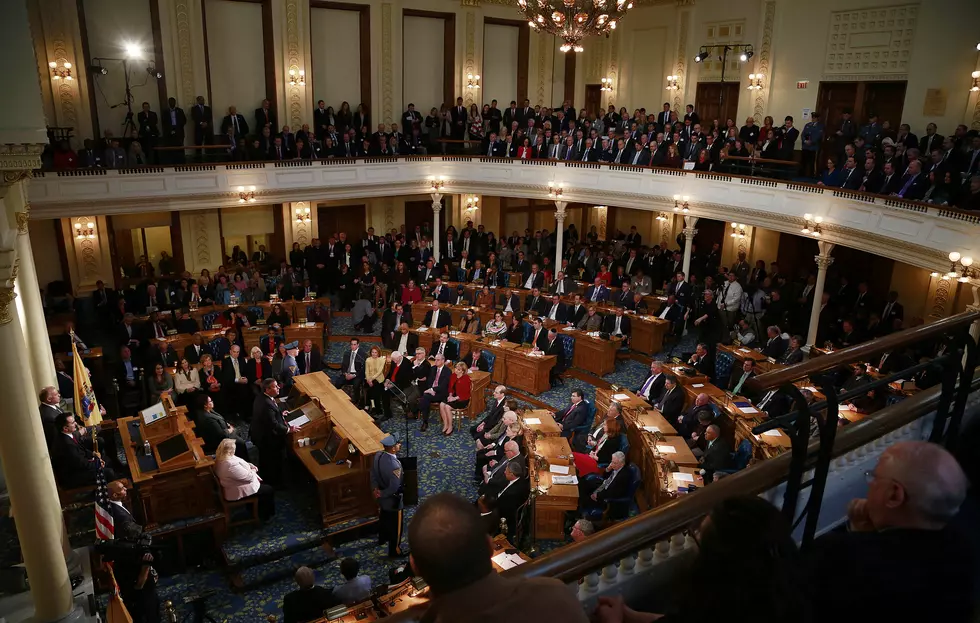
x: 748, y: 409
x: 698, y: 385
x: 532, y: 421
x: 682, y: 477
x: 620, y: 397
x: 772, y: 433
x: 666, y: 449
x: 745, y: 350
x: 564, y: 480
x: 651, y: 429
x: 516, y: 559
x: 568, y: 329
x: 558, y: 469
x: 422, y: 329
x: 302, y: 419
x: 504, y: 561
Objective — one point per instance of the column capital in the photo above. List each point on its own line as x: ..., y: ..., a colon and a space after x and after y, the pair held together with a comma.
x: 17, y: 160
x: 436, y: 201
x: 690, y: 232
x: 7, y: 296
x: 560, y: 210
x: 823, y: 261
x: 690, y: 221
x: 826, y: 248
x: 22, y: 219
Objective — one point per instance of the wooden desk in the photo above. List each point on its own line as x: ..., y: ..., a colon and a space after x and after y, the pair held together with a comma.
x: 675, y: 488
x: 501, y: 545
x: 681, y: 455
x: 363, y: 612
x: 478, y: 395
x: 344, y: 491
x: 594, y: 354
x: 402, y: 597
x: 648, y: 333
x: 499, y: 348
x: 550, y: 507
x: 683, y: 379
x: 548, y: 427
x: 167, y: 495
x: 528, y: 373
x: 741, y: 353
x: 632, y: 404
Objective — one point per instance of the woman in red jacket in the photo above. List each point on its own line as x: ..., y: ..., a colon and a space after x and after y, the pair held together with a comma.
x: 460, y: 387
x: 411, y: 294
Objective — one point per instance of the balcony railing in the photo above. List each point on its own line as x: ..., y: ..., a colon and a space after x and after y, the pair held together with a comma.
x: 643, y: 548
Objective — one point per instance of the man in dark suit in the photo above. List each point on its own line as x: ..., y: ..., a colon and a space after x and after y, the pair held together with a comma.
x: 495, y: 410
x: 688, y: 422
x: 555, y: 348
x: 930, y: 141
x: 574, y: 416
x: 740, y: 376
x: 494, y: 475
x: 309, y: 601
x: 174, y: 121
x: 308, y: 360
x: 673, y: 312
x: 539, y: 334
x: 352, y: 369
x: 672, y: 402
x: 265, y: 118
x: 203, y: 123
x: 436, y: 389
x: 400, y: 375
x: 50, y: 399
x: 458, y: 118
x: 617, y: 324
x: 234, y: 121
x: 555, y: 309
x: 902, y: 541
x: 148, y: 125
x: 513, y: 495
x: 913, y: 184
x: 234, y: 383
x: 534, y: 303
x: 702, y: 361
x: 445, y: 348
x: 435, y: 318
x: 893, y: 310
x: 717, y: 455
x: 162, y: 354
x: 594, y: 492
x: 440, y: 292
x: 72, y: 459
x: 534, y: 279
x: 775, y: 345
x: 597, y: 293
x: 391, y: 322
x: 653, y: 386
x: 269, y: 432
x: 624, y: 298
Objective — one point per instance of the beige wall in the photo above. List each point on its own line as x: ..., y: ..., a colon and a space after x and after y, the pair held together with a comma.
x: 247, y: 221
x: 423, y: 62
x: 335, y: 40
x: 237, y: 60
x: 201, y: 233
x: 913, y: 287
x: 44, y: 243
x: 499, y: 75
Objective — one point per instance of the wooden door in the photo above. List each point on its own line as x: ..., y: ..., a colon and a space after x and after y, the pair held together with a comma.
x: 832, y: 99
x: 716, y: 100
x: 593, y: 99
x: 886, y: 99
x: 335, y: 219
x: 419, y: 213
x: 710, y: 231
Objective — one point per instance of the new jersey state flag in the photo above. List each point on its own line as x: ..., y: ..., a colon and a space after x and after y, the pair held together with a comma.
x: 86, y: 406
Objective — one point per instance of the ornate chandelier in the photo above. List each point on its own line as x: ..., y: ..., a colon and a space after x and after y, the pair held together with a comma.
x: 574, y: 20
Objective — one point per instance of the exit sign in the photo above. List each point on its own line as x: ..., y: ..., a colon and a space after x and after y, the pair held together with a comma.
x: 802, y: 84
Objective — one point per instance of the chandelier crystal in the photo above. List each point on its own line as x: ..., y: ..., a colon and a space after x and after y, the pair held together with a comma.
x: 574, y: 20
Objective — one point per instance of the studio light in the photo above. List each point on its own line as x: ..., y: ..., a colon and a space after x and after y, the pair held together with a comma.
x: 133, y: 50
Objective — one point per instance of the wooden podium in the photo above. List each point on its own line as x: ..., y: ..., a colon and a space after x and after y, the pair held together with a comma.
x: 350, y: 438
x: 529, y: 373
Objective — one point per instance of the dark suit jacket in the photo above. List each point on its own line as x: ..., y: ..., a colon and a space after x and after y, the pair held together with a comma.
x: 268, y: 426
x: 74, y: 464
x: 538, y: 280
x: 775, y: 347
x: 512, y: 498
x: 570, y: 420
x: 307, y: 604
x: 706, y: 366
x: 242, y: 125
x: 717, y: 456
x: 48, y: 415
x: 212, y: 428
x: 125, y: 527
x: 168, y: 359
x: 445, y: 319
x: 251, y: 373
x: 671, y: 404
x: 262, y: 117
x: 532, y: 306
x: 169, y: 129
x: 442, y: 388
x: 200, y: 114
x: 618, y: 488
x: 358, y: 364
x: 451, y: 353
x: 656, y: 388
x: 403, y: 376
x: 791, y: 356
x: 316, y: 363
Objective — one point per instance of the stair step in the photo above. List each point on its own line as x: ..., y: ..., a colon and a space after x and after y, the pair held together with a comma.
x: 273, y: 570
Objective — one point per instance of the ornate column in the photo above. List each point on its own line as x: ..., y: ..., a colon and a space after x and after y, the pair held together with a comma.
x: 42, y: 361
x: 436, y: 209
x: 689, y: 233
x: 823, y: 263
x: 560, y: 232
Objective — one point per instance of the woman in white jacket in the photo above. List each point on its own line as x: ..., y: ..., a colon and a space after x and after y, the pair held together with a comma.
x: 187, y: 382
x: 239, y: 479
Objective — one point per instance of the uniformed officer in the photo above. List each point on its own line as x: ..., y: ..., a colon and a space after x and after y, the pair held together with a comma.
x: 387, y: 479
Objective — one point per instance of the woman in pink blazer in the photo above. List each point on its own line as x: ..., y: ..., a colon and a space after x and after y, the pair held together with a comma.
x: 239, y: 479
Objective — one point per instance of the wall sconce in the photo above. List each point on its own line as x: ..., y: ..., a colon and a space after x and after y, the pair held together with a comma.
x: 303, y: 215
x: 662, y: 216
x: 755, y: 82
x: 64, y: 71
x: 812, y: 225
x: 85, y: 233
x: 472, y: 202
x: 681, y: 204
x: 577, y: 48
x: 436, y: 185
x: 473, y: 82
x: 960, y: 268
x: 246, y: 195
x: 555, y: 190
x: 976, y: 81
x: 297, y: 78
x: 606, y: 84
x: 672, y: 83
x: 738, y: 231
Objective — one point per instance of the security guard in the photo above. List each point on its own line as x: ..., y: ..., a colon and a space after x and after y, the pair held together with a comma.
x: 387, y: 479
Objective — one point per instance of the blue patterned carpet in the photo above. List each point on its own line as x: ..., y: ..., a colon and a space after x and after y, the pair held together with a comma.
x: 268, y: 555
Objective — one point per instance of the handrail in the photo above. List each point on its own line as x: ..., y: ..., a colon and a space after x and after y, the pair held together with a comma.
x: 762, y: 160
x: 861, y: 352
x: 951, y: 212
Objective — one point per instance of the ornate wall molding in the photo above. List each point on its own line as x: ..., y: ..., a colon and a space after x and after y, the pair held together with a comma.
x: 294, y: 94
x: 765, y: 60
x: 940, y: 298
x: 681, y: 63
x: 874, y: 41
x: 185, y: 54
x: 387, y: 71
x: 543, y: 66
x: 18, y: 159
x: 469, y: 64
x: 202, y: 247
x: 7, y: 296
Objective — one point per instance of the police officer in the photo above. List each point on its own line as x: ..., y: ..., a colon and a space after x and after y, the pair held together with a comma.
x: 387, y: 480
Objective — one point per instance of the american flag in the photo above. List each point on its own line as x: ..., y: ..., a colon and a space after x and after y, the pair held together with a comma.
x: 104, y: 524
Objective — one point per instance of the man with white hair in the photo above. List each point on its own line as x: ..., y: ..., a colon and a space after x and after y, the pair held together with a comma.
x: 594, y: 491
x: 309, y: 601
x: 399, y: 377
x: 582, y: 530
x: 493, y: 473
x: 900, y: 560
x: 495, y: 412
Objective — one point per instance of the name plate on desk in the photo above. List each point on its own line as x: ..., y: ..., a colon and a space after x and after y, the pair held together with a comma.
x: 171, y: 331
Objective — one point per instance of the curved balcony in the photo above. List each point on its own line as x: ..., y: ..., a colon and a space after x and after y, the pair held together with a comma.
x: 912, y: 232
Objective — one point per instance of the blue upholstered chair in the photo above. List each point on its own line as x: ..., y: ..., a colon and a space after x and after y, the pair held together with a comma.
x: 219, y: 347
x: 723, y: 367
x: 618, y: 508
x: 741, y: 458
x: 209, y: 319
x: 258, y: 311
x: 491, y: 358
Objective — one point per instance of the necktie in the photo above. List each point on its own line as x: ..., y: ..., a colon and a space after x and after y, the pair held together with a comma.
x: 595, y: 293
x: 905, y: 188
x: 234, y: 122
x: 442, y: 349
x: 490, y: 150
x: 353, y: 359
x: 645, y: 390
x: 436, y: 380
x: 308, y: 368
x: 568, y: 153
x: 738, y: 386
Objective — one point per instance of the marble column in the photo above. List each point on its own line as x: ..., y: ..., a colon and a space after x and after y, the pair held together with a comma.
x: 689, y: 233
x: 27, y: 468
x: 823, y: 263
x: 560, y: 233
x: 35, y: 328
x: 436, y: 232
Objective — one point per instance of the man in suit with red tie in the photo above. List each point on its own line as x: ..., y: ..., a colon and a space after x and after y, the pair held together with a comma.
x: 264, y: 117
x: 399, y: 376
x: 308, y: 359
x: 574, y: 416
x: 72, y: 459
x: 269, y: 432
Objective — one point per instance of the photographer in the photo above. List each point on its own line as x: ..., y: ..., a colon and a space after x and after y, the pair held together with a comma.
x: 131, y: 556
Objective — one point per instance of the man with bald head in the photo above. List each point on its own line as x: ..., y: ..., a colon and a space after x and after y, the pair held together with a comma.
x: 900, y: 560
x: 493, y: 473
x: 689, y: 421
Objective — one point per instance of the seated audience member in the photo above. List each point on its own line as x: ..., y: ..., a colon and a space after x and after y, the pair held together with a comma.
x: 793, y: 354
x: 671, y: 404
x: 436, y: 389
x: 159, y: 384
x: 749, y: 534
x: 309, y: 601
x: 436, y: 319
x: 470, y: 323
x: 608, y: 443
x: 594, y: 490
x: 239, y: 479
x: 495, y: 410
x: 509, y: 501
x: 653, y: 387
x: 451, y: 551
x: 493, y: 472
x: 445, y: 348
x: 618, y: 325
x: 775, y: 346
x: 717, y: 453
x: 213, y: 428
x: 740, y: 375
x: 72, y: 459
x: 582, y: 530
x: 460, y: 387
x: 688, y: 423
x: 499, y: 430
x: 702, y: 361
x: 356, y: 588
x: 475, y: 360
x: 900, y: 559
x: 744, y: 334
x: 591, y: 321
x: 574, y: 416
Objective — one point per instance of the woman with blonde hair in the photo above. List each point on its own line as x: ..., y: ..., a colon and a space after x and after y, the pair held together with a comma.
x: 460, y: 387
x: 374, y: 376
x: 239, y: 479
